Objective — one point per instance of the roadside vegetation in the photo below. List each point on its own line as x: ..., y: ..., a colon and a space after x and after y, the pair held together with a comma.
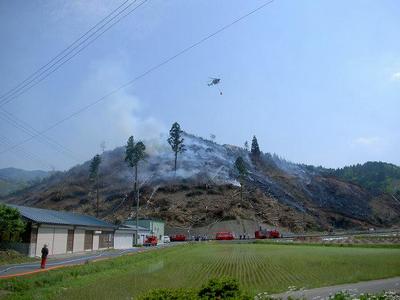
x: 13, y: 257
x: 256, y: 267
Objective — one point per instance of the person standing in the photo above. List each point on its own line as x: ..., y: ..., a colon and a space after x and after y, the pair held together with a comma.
x: 45, y: 252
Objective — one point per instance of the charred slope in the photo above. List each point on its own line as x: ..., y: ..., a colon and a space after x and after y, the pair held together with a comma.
x: 205, y: 190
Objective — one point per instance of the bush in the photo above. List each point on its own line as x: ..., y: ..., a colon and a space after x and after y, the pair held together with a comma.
x: 381, y: 296
x: 171, y: 294
x: 222, y: 288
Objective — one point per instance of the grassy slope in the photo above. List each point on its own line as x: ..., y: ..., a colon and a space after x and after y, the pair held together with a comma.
x: 258, y: 267
x: 13, y: 257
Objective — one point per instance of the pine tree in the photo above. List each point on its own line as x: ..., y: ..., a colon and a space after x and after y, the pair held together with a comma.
x: 255, y: 149
x: 240, y: 167
x: 176, y: 141
x: 134, y: 153
x: 94, y: 176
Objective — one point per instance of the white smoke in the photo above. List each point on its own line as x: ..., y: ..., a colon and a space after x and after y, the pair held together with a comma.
x: 118, y: 116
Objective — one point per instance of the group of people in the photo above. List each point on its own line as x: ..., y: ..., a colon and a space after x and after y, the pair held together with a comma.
x: 199, y: 238
x: 244, y: 237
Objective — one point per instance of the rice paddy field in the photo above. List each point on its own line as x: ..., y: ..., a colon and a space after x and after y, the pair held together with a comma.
x: 258, y: 267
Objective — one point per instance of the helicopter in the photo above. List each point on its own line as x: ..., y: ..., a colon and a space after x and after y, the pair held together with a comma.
x: 215, y: 81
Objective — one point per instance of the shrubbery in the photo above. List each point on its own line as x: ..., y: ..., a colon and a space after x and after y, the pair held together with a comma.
x: 382, y: 296
x: 221, y: 288
x: 341, y: 296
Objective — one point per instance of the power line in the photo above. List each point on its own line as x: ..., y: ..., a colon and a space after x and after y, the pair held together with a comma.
x: 16, y: 91
x: 26, y: 128
x: 63, y: 51
x: 42, y: 75
x: 159, y: 65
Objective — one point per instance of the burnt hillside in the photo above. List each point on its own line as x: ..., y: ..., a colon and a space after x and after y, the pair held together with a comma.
x: 205, y: 189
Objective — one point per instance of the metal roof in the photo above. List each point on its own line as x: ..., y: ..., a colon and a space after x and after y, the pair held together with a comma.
x: 47, y: 216
x: 131, y: 228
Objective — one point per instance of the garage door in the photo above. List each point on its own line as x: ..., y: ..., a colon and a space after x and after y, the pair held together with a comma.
x: 70, y: 240
x: 45, y: 236
x: 106, y: 239
x: 123, y: 240
x: 60, y: 240
x: 88, y: 244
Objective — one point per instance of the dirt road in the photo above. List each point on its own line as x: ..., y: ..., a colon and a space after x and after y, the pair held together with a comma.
x: 374, y: 286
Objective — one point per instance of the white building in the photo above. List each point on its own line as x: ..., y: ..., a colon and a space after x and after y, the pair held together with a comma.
x: 124, y: 236
x: 62, y: 232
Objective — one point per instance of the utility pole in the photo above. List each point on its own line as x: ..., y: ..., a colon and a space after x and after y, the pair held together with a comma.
x: 97, y: 195
x: 137, y: 207
x: 137, y: 218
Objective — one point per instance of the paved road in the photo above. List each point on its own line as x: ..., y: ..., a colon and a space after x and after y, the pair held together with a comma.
x: 374, y: 286
x: 68, y: 260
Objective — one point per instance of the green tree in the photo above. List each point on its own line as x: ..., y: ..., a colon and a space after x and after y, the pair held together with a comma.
x: 176, y: 141
x: 240, y: 167
x: 11, y: 223
x: 94, y: 176
x: 255, y: 149
x: 134, y: 153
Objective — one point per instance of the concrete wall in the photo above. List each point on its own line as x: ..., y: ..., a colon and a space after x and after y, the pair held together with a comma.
x: 55, y: 237
x: 79, y: 238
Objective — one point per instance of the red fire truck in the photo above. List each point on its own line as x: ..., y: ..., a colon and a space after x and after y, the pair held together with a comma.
x: 224, y: 236
x: 151, y: 240
x: 267, y: 234
x: 177, y: 238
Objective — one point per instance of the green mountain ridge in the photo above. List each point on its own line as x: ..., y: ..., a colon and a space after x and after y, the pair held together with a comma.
x: 13, y: 179
x: 377, y: 177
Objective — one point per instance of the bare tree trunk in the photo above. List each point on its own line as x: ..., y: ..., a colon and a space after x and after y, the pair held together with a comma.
x: 135, y: 185
x: 97, y: 196
x: 176, y: 158
x: 241, y: 192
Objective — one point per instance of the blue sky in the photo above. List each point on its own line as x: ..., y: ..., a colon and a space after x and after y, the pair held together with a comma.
x: 317, y: 82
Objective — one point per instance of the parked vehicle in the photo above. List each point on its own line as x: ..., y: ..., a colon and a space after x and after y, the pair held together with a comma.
x: 166, y: 239
x: 151, y: 240
x: 178, y: 238
x: 267, y: 234
x: 226, y: 236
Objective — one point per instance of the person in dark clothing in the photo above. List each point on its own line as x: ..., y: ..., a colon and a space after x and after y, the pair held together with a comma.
x: 45, y: 252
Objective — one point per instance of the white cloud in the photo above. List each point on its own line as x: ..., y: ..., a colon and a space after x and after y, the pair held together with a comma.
x: 396, y: 76
x: 87, y: 10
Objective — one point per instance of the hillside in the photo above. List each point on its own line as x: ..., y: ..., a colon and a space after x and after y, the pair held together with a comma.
x: 12, y: 179
x: 377, y: 177
x: 205, y: 190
